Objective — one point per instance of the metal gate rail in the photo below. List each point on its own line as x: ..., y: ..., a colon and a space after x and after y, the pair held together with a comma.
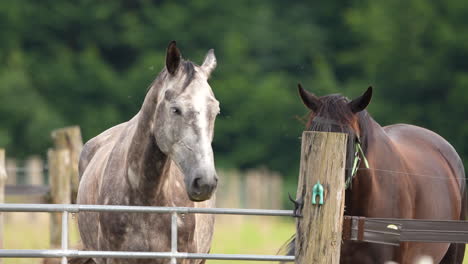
x: 65, y: 252
x: 25, y: 253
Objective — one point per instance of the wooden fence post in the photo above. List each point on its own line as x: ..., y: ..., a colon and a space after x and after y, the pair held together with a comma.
x: 60, y: 189
x: 70, y: 138
x: 318, y: 235
x: 34, y: 171
x: 3, y: 178
x: 11, y: 169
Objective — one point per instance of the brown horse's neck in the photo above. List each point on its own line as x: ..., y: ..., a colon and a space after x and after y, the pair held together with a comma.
x: 148, y: 166
x: 367, y: 182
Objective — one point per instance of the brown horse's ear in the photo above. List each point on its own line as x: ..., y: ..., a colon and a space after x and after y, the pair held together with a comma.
x: 360, y: 103
x: 173, y: 57
x: 309, y: 99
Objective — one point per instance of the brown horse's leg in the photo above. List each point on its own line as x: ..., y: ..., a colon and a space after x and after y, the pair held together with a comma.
x: 454, y: 254
x: 411, y: 252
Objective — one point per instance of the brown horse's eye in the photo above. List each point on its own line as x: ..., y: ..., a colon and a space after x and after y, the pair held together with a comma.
x: 176, y: 111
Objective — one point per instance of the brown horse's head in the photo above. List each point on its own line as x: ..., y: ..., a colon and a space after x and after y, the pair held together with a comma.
x: 184, y: 120
x: 336, y: 113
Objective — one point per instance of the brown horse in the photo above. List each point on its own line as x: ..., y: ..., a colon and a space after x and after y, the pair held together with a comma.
x: 161, y: 157
x: 413, y: 173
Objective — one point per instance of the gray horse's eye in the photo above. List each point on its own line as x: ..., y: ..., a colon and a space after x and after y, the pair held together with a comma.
x: 176, y: 110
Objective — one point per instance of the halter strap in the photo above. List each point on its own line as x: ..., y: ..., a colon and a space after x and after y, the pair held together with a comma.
x: 356, y: 162
x: 358, y: 152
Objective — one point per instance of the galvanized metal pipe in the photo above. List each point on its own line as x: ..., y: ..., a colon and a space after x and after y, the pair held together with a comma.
x: 75, y: 208
x: 174, y: 237
x: 14, y: 253
x: 64, y: 235
x: 66, y: 208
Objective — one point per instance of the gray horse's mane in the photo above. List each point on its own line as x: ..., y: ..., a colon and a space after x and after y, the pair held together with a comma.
x: 186, y: 66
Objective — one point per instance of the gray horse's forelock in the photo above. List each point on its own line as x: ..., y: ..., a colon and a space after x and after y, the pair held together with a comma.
x: 189, y: 72
x: 187, y: 69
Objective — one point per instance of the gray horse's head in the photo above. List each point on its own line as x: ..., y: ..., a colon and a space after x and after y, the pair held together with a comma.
x: 184, y: 121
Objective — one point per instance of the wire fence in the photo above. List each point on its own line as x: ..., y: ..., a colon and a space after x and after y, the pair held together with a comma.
x: 64, y: 253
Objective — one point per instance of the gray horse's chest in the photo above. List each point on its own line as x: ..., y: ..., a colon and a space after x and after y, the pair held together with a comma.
x: 137, y: 231
x: 145, y: 232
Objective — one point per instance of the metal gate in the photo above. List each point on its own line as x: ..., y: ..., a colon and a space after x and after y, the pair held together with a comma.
x: 65, y: 252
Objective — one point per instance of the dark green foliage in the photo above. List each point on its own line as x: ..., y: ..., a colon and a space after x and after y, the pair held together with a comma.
x: 90, y: 63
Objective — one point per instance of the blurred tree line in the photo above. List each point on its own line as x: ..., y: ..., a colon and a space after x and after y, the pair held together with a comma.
x: 90, y: 62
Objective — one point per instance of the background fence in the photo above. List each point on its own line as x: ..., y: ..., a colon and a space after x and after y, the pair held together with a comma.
x: 33, y: 177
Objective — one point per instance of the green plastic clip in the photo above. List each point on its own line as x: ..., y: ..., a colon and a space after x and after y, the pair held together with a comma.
x: 317, y: 190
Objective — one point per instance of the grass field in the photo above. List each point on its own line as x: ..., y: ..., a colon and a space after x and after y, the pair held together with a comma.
x: 250, y: 235
x: 233, y: 235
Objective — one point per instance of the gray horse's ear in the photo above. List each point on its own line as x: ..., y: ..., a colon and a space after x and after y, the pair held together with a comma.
x: 309, y: 99
x: 209, y: 64
x: 360, y: 103
x: 173, y: 57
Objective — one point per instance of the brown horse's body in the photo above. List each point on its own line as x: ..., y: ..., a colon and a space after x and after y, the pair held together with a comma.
x: 413, y: 174
x: 161, y: 157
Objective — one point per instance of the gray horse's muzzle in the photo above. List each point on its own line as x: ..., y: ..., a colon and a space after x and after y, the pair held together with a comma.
x: 202, y: 186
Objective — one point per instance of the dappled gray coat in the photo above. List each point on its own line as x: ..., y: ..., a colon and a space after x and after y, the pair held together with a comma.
x: 161, y: 157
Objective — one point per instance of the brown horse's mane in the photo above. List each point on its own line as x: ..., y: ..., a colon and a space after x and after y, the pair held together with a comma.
x: 335, y: 108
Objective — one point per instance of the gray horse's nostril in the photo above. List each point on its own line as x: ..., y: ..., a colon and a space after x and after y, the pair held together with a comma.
x: 200, y: 185
x: 202, y: 188
x: 197, y: 184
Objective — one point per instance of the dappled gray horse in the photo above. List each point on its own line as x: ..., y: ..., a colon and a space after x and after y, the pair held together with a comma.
x: 161, y: 157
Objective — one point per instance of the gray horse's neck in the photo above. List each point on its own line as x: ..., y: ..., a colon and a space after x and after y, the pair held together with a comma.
x: 148, y: 166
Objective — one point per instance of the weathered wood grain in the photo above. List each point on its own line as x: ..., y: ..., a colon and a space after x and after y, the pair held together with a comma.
x: 323, y: 158
x: 60, y: 189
